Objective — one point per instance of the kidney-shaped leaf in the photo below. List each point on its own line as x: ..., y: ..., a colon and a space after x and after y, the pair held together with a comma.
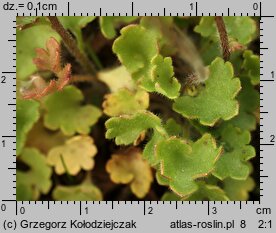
x: 217, y: 100
x: 136, y: 54
x: 249, y: 101
x: 26, y: 42
x: 182, y: 163
x: 108, y: 24
x: 64, y: 111
x: 76, y: 154
x: 142, y: 59
x: 251, y: 66
x: 238, y: 190
x: 234, y: 162
x: 75, y: 24
x: 117, y: 79
x: 129, y: 167
x: 239, y: 28
x: 208, y: 192
x: 163, y: 74
x: 127, y: 128
x: 125, y: 102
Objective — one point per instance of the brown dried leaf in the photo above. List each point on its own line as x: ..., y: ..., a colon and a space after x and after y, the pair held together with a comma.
x: 48, y: 60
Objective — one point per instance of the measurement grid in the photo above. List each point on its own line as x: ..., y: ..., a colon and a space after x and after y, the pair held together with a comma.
x: 249, y: 216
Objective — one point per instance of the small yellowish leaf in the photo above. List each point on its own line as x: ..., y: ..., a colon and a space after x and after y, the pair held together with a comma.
x: 125, y: 102
x: 76, y: 154
x: 128, y: 167
x: 117, y: 79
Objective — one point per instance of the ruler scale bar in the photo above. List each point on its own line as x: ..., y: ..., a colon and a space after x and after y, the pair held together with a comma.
x: 160, y: 216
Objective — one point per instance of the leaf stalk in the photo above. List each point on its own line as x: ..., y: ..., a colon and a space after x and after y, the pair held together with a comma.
x: 223, y: 37
x: 71, y: 45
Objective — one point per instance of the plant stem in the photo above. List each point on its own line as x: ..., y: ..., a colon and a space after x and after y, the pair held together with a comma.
x: 223, y: 37
x: 94, y: 57
x: 71, y: 45
x: 66, y: 169
x: 82, y: 78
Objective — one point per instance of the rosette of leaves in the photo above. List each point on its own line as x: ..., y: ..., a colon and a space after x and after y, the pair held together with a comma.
x: 200, y: 148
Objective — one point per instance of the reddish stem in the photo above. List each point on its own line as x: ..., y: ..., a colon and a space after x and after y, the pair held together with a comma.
x: 71, y: 45
x: 223, y: 37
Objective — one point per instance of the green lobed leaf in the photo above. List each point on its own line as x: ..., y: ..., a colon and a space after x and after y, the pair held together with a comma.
x: 249, y: 101
x: 27, y: 113
x: 208, y: 192
x: 158, y: 136
x: 238, y: 190
x: 163, y: 74
x: 26, y: 42
x: 25, y: 193
x: 136, y: 54
x: 162, y: 28
x: 218, y: 95
x: 36, y: 180
x: 108, y: 24
x: 23, y: 22
x: 141, y: 58
x: 161, y: 180
x: 75, y: 24
x: 170, y: 196
x: 127, y: 128
x: 234, y: 162
x: 182, y: 163
x: 239, y: 28
x: 64, y: 111
x: 43, y: 139
x: 206, y: 27
x: 125, y: 102
x: 83, y: 192
x: 251, y: 66
x: 209, y: 50
x: 173, y: 128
